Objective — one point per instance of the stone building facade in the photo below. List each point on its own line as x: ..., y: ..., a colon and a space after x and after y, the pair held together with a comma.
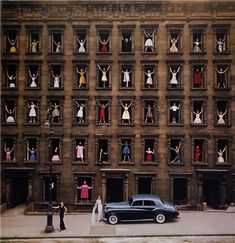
x: 141, y: 97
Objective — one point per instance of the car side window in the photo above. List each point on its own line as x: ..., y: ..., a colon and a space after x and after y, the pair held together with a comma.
x: 137, y: 203
x: 149, y: 203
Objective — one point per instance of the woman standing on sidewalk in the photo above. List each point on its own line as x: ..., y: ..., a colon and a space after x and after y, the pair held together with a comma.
x: 63, y: 211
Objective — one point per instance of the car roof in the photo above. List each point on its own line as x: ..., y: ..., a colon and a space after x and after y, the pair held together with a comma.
x: 145, y: 197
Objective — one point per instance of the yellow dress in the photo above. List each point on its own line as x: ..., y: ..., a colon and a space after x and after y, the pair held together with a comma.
x: 82, y: 79
x: 13, y: 49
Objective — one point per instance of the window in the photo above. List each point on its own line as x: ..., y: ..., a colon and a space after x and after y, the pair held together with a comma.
x: 10, y: 75
x: 103, y: 151
x: 9, y: 110
x: 55, y: 109
x: 145, y: 182
x: 32, y: 111
x: 222, y: 150
x: 11, y: 39
x: 126, y: 76
x: 149, y: 149
x: 56, y: 39
x: 175, y: 79
x: 197, y: 41
x: 33, y: 76
x: 126, y: 111
x: 175, y: 44
x: 8, y: 149
x: 198, y: 111
x: 84, y: 188
x: 175, y: 111
x: 103, y: 80
x: 149, y: 39
x: 198, y: 76
x: 149, y: 111
x: 175, y: 151
x: 80, y: 146
x: 31, y: 149
x: 80, y: 116
x: 34, y: 39
x: 103, y: 111
x: 81, y: 40
x: 81, y: 75
x: 199, y: 151
x: 126, y: 39
x: 149, y: 203
x: 104, y: 41
x: 56, y: 76
x: 137, y: 203
x: 221, y: 39
x: 149, y: 76
x: 126, y: 150
x: 222, y: 112
x: 55, y: 150
x: 222, y: 75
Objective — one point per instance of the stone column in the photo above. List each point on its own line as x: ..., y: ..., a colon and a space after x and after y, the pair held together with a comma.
x: 103, y: 187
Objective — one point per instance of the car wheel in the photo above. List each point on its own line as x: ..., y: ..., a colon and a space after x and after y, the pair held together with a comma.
x: 113, y: 219
x: 160, y: 218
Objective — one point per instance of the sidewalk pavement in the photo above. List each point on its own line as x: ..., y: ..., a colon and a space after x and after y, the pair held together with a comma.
x: 190, y: 223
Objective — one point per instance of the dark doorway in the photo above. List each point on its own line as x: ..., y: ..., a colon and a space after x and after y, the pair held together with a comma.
x: 19, y: 190
x: 211, y: 193
x: 114, y: 189
x: 144, y: 185
x: 180, y: 191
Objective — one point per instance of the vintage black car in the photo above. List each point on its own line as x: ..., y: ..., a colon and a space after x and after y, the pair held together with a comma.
x: 140, y: 207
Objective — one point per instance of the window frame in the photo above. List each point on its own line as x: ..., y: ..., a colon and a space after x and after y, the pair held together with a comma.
x: 28, y: 66
x: 55, y: 29
x: 27, y: 100
x: 80, y: 64
x: 50, y: 78
x: 127, y: 29
x: 204, y: 150
x: 60, y: 100
x: 27, y: 137
x: 225, y: 28
x: 85, y: 100
x: 120, y: 110
x: 198, y: 64
x: 14, y: 142
x: 228, y: 106
x: 4, y: 117
x: 179, y: 138
x: 108, y: 100
x: 85, y: 150
x: 175, y: 29
x: 34, y: 29
x: 147, y: 65
x: 131, y: 139
x: 15, y: 66
x: 50, y: 147
x: 151, y: 28
x: 98, y: 139
x: 101, y: 30
x: 180, y: 79
x: 82, y: 29
x: 6, y: 30
x: 153, y: 137
x: 131, y: 67
x: 220, y: 63
x: 178, y: 100
x: 154, y: 101
x: 228, y: 139
x: 99, y: 75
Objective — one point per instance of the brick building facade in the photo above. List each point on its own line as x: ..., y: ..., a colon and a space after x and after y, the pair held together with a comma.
x: 141, y: 95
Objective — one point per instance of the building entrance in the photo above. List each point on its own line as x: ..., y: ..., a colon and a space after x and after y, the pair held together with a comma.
x: 211, y: 193
x: 19, y: 190
x: 114, y: 189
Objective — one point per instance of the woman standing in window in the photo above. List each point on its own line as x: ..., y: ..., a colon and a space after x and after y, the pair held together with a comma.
x: 174, y: 81
x: 104, y: 78
x: 126, y: 114
x: 12, y: 44
x: 8, y: 152
x: 32, y: 112
x: 33, y: 77
x: 174, y: 41
x: 126, y: 77
x: 82, y: 80
x: 34, y: 46
x: 197, y: 114
x: 10, y: 115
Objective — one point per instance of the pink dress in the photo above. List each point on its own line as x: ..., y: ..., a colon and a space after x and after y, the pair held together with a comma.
x: 84, y: 191
x: 8, y: 155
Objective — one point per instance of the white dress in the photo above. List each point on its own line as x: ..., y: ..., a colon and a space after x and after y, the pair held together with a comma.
x: 58, y: 49
x: 33, y: 83
x: 221, y: 119
x: 56, y: 82
x: 98, y: 205
x: 126, y: 77
x: 80, y: 112
x: 197, y: 119
x: 32, y: 111
x: 10, y: 119
x: 174, y: 79
x: 196, y: 47
x: 104, y: 77
x: 126, y: 114
x: 220, y: 158
x: 148, y: 42
x: 220, y: 46
x: 81, y: 48
x: 149, y: 79
x: 11, y: 82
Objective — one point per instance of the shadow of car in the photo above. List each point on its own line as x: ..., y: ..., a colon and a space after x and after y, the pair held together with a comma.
x: 140, y: 207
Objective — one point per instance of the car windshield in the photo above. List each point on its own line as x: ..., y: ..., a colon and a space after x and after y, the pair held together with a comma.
x: 130, y: 200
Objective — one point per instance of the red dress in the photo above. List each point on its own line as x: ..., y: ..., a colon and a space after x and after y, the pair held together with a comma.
x: 84, y: 192
x: 197, y: 154
x: 104, y: 48
x: 149, y: 156
x: 102, y: 112
x: 197, y: 78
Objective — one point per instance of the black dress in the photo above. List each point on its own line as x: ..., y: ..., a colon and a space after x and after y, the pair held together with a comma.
x: 62, y: 211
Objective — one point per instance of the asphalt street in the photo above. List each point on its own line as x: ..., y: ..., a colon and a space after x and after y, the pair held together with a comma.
x: 190, y: 227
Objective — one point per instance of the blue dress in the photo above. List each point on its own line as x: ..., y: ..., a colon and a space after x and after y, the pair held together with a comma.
x: 32, y: 156
x: 126, y: 150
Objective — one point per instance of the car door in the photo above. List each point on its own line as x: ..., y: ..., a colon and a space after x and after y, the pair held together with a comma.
x: 137, y: 211
x: 149, y: 206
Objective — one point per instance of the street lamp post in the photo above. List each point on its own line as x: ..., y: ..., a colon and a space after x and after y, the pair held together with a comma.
x: 49, y: 227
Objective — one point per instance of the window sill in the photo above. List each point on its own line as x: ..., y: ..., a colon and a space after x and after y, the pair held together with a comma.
x: 126, y: 163
x: 80, y: 124
x: 32, y: 124
x: 79, y: 163
x: 198, y: 53
x: 149, y: 163
x: 34, y: 88
x: 200, y: 163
